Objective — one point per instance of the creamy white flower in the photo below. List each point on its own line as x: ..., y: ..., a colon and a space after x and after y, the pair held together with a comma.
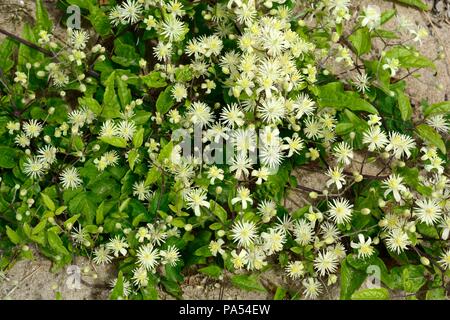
x: 427, y: 211
x: 195, y: 199
x: 340, y: 210
x: 70, y: 178
x: 313, y: 288
x: 244, y: 233
x: 326, y: 262
x: 364, y: 247
x: 397, y: 240
x: 147, y: 257
x: 394, y: 185
x: 371, y: 17
x: 295, y: 269
x: 243, y: 196
x: 117, y: 245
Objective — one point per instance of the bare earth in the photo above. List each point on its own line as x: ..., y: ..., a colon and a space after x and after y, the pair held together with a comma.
x: 34, y: 280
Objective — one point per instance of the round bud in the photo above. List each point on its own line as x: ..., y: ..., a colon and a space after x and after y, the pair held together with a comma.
x: 28, y: 66
x: 365, y: 211
x: 124, y: 77
x: 25, y: 248
x: 220, y: 233
x: 51, y: 220
x: 313, y: 195
x: 47, y: 139
x: 381, y: 203
x: 23, y: 192
x: 169, y: 219
x: 100, y: 229
x: 18, y: 217
x: 40, y: 74
x: 219, y: 190
x: 118, y: 225
x: 27, y: 152
x: 188, y: 227
x: 425, y: 261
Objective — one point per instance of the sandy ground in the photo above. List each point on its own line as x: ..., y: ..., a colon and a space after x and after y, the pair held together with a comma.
x: 34, y: 280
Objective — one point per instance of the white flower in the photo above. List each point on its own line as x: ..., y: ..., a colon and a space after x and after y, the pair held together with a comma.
x: 394, y: 184
x: 313, y: 128
x: 215, y: 173
x: 78, y: 39
x: 32, y: 128
x: 427, y: 211
x: 336, y: 177
x: 142, y: 234
x: 163, y: 51
x: 195, y: 199
x: 147, y: 257
x: 343, y: 153
x: 372, y: 17
x: 109, y: 129
x: 312, y: 288
x: 400, y: 144
x: 268, y: 209
x: 141, y: 190
x: 179, y: 92
x: 271, y: 155
x: 445, y: 260
x: 200, y: 114
x: 295, y: 269
x: 393, y: 65
x: 70, y: 178
x: 397, y: 240
x: 22, y: 140
x: 34, y: 167
x: 126, y: 129
x: 419, y: 33
x: 118, y: 245
x: 261, y: 174
x: 303, y: 232
x: 239, y: 260
x: 140, y: 277
x: 273, y: 240
x: 294, y: 144
x: 340, y: 210
x: 130, y: 12
x: 170, y: 256
x: 326, y: 262
x: 244, y: 233
x: 362, y: 82
x: 47, y: 154
x: 445, y: 225
x: 243, y: 196
x: 216, y: 247
x: 375, y: 138
x: 173, y: 29
x: 329, y: 232
x: 241, y: 164
x: 272, y: 110
x: 232, y: 115
x: 101, y: 255
x: 364, y: 247
x: 438, y: 122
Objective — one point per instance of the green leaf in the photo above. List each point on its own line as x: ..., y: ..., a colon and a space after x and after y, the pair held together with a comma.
x: 152, y: 176
x: 6, y: 51
x: 99, y: 20
x: 219, y: 211
x: 42, y: 20
x: 154, y: 80
x: 39, y: 227
x: 8, y: 157
x: 409, y: 58
x: 100, y: 213
x: 371, y: 294
x: 436, y: 294
x: 117, y: 292
x: 12, y: 235
x: 413, y: 278
x: 426, y: 230
x: 437, y: 108
x: 333, y: 95
x: 48, y: 202
x: 71, y: 220
x: 430, y: 135
x: 165, y: 152
x: 132, y: 157
x: 404, y: 105
x: 203, y: 251
x: 115, y: 141
x: 387, y: 15
x: 343, y: 128
x: 247, y: 282
x: 165, y: 101
x: 213, y: 271
x: 413, y: 3
x: 280, y: 294
x: 361, y: 41
x: 111, y: 106
x: 91, y: 104
x: 56, y: 243
x: 351, y: 280
x: 138, y: 138
x: 123, y: 91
